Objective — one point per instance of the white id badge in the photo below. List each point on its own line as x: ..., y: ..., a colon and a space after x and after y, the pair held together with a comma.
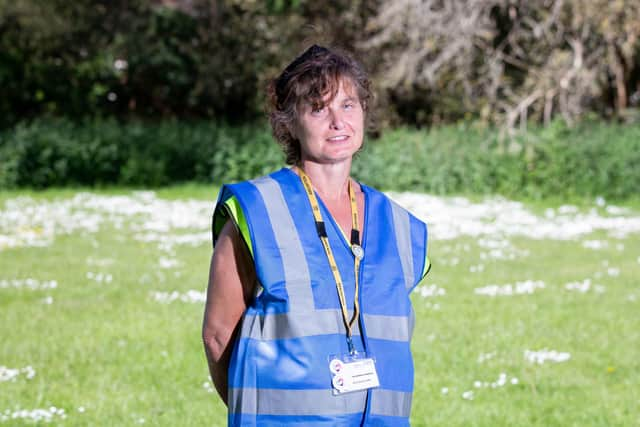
x: 352, y: 372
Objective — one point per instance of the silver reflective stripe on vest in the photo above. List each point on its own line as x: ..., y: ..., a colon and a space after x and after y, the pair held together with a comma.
x: 392, y: 328
x: 403, y: 237
x: 391, y: 403
x: 295, y: 325
x: 323, y: 322
x: 296, y: 272
x: 272, y: 401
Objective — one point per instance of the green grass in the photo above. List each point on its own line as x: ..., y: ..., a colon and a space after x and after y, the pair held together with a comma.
x: 122, y: 356
x: 597, y: 386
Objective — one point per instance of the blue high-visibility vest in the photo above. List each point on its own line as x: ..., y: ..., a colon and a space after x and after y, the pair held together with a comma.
x: 279, y: 368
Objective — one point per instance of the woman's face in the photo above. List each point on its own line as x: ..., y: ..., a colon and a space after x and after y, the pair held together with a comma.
x: 333, y: 133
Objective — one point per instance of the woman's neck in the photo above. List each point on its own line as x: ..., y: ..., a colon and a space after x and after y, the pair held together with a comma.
x: 331, y: 181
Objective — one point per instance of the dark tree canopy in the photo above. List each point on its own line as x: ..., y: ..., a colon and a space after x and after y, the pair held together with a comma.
x: 501, y: 61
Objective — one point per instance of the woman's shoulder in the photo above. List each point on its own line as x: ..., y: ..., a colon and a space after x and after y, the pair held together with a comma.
x: 276, y: 175
x: 371, y: 192
x: 242, y: 186
x: 389, y: 200
x: 280, y: 182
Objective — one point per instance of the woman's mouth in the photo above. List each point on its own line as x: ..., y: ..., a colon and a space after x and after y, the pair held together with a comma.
x: 338, y: 138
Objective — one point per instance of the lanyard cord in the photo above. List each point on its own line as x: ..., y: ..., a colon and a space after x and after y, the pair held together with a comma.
x: 355, y: 248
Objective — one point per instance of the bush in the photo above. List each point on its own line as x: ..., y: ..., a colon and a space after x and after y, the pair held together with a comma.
x: 593, y: 159
x: 58, y: 153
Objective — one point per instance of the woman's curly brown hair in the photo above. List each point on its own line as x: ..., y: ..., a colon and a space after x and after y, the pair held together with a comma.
x: 312, y: 76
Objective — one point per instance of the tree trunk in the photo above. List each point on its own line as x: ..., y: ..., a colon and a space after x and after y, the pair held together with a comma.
x: 617, y: 67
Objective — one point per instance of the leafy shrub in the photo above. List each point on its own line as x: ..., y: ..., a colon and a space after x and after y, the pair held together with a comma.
x: 595, y: 158
x: 57, y: 153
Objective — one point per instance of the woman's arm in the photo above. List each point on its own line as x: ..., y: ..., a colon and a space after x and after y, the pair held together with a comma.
x: 231, y: 285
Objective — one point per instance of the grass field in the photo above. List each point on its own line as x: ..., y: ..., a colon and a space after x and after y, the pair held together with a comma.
x: 101, y: 300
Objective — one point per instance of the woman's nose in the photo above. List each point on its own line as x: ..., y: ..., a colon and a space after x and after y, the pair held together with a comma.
x: 336, y: 120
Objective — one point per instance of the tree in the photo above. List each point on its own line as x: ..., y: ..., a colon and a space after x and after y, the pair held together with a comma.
x: 509, y: 60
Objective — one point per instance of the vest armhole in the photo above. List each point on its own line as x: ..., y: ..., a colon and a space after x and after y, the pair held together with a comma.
x: 426, y: 265
x: 426, y: 269
x: 231, y: 209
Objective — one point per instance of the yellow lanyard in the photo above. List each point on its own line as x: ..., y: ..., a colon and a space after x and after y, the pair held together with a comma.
x: 355, y: 248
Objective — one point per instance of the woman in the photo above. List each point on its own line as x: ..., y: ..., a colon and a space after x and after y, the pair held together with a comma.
x: 308, y: 319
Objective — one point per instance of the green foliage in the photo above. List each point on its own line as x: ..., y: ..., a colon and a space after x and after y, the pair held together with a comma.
x: 592, y: 159
x: 57, y: 57
x: 59, y: 152
x: 131, y: 59
x: 141, y: 59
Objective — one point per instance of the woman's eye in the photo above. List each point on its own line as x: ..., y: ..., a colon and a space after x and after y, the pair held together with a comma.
x: 348, y: 106
x: 317, y: 111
